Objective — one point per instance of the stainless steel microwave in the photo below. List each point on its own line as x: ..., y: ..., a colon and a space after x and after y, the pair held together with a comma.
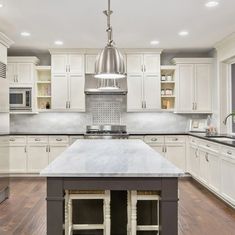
x: 21, y: 98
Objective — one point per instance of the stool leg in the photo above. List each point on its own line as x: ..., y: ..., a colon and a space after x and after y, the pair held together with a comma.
x: 70, y: 217
x: 133, y: 212
x: 128, y: 212
x: 107, y: 215
x: 66, y: 225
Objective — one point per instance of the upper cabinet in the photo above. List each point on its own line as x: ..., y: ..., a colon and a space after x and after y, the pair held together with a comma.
x: 67, y: 85
x: 21, y: 71
x: 90, y: 64
x: 193, y: 85
x: 143, y: 77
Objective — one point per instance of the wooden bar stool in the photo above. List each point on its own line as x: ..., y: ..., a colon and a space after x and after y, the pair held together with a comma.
x: 132, y: 198
x: 71, y: 195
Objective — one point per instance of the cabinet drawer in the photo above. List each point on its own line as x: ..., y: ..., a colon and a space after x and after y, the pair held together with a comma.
x: 58, y: 139
x: 154, y: 139
x: 38, y: 139
x: 192, y: 140
x: 17, y: 140
x: 207, y: 145
x: 174, y: 139
x: 229, y: 152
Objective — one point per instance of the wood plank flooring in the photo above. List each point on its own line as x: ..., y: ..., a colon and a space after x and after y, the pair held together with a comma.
x: 200, y: 212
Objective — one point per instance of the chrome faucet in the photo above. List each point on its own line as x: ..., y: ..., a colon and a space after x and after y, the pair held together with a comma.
x: 226, y: 118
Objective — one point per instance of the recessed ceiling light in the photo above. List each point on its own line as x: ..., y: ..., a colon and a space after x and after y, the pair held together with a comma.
x: 212, y: 4
x: 154, y: 42
x: 1, y: 5
x: 25, y: 34
x: 59, y: 42
x: 183, y: 33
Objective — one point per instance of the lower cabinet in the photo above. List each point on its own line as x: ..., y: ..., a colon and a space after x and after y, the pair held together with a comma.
x: 55, y: 151
x: 18, y: 159
x: 194, y: 161
x: 228, y: 178
x: 37, y: 158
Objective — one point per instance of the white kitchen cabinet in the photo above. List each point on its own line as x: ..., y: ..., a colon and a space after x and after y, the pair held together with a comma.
x: 203, y: 166
x: 203, y: 86
x: 76, y: 93
x: 194, y: 161
x: 59, y: 92
x: 21, y: 71
x: 68, y: 82
x: 37, y: 157
x: 228, y: 175
x: 55, y: 151
x: 18, y: 159
x: 4, y: 95
x: 143, y: 78
x: 18, y: 154
x: 90, y: 64
x: 175, y: 153
x: 135, y: 93
x: 193, y: 85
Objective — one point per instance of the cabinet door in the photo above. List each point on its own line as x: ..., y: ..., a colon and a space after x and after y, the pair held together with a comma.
x: 194, y: 161
x: 76, y: 91
x: 158, y: 149
x: 214, y: 177
x: 25, y: 73
x: 4, y: 95
x: 185, y: 89
x: 55, y: 151
x: 228, y: 178
x: 37, y: 158
x: 76, y: 64
x: 203, y: 87
x: 176, y: 155
x: 18, y: 159
x: 11, y: 72
x: 135, y: 64
x: 152, y: 64
x: 203, y: 167
x: 135, y: 93
x: 90, y: 64
x: 59, y: 64
x: 151, y: 89
x: 59, y: 92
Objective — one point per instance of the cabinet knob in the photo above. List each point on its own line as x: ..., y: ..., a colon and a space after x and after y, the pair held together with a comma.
x: 229, y: 152
x: 58, y: 139
x: 12, y: 139
x: 154, y: 139
x: 175, y: 139
x: 37, y: 139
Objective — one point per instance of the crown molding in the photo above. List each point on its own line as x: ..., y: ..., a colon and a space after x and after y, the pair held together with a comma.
x: 23, y: 59
x: 224, y: 42
x: 5, y: 40
x: 192, y: 60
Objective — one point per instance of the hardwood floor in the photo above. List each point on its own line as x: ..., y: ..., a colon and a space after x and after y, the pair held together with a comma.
x: 200, y: 212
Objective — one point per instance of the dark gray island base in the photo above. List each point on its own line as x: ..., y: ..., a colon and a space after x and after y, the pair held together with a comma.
x: 118, y: 166
x: 168, y: 188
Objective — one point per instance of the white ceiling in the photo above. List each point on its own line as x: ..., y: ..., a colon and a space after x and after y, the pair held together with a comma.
x: 81, y: 23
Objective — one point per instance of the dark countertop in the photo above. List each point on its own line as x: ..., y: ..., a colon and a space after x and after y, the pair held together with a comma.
x: 198, y: 135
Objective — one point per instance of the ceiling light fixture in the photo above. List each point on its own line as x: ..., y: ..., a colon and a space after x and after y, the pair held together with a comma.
x: 154, y: 42
x: 110, y: 62
x: 183, y: 33
x: 212, y: 4
x: 1, y: 5
x: 25, y: 34
x: 59, y: 43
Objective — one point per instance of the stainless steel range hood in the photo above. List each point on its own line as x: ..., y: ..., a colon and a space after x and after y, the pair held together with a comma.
x: 105, y: 86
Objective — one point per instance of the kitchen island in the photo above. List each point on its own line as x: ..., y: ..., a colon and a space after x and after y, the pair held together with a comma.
x: 111, y: 165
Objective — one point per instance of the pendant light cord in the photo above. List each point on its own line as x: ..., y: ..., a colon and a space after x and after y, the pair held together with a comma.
x: 109, y: 29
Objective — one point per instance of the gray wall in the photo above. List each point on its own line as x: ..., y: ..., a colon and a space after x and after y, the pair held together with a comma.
x: 233, y: 92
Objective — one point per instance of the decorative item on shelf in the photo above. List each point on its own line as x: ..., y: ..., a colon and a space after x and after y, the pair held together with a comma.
x: 169, y: 78
x: 168, y: 92
x: 48, y: 106
x: 110, y: 62
x: 162, y: 91
x: 163, y: 78
x: 166, y: 104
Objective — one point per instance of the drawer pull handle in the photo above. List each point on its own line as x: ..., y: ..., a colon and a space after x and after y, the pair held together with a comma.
x: 175, y: 139
x: 208, y: 145
x: 58, y: 139
x: 37, y: 139
x: 12, y: 139
x: 154, y: 139
x: 229, y: 152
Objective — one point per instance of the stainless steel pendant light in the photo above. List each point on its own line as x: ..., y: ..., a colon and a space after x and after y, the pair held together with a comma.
x: 109, y: 63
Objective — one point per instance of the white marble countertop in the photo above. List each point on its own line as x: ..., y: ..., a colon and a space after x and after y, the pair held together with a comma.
x: 110, y: 158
